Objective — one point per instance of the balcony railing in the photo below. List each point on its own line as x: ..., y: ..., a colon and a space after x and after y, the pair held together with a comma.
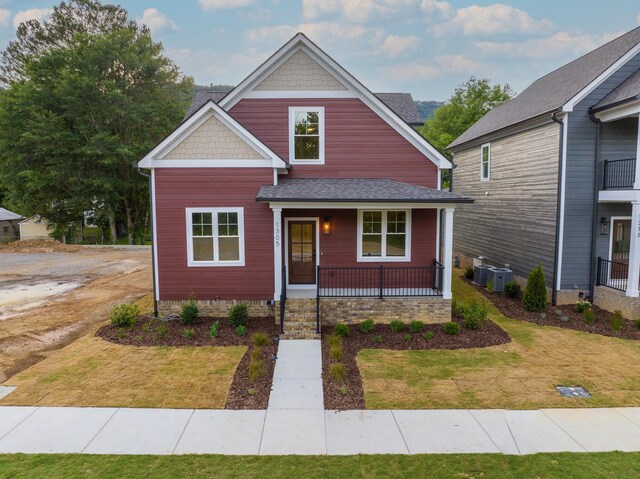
x: 619, y: 174
x: 612, y: 275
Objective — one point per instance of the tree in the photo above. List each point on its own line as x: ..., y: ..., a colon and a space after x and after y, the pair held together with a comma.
x: 89, y: 93
x: 535, y: 293
x: 470, y: 102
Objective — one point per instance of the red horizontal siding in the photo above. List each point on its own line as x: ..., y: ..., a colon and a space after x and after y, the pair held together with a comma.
x: 358, y: 143
x: 180, y: 188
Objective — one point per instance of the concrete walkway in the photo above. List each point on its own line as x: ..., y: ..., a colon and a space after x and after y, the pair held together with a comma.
x: 314, y: 431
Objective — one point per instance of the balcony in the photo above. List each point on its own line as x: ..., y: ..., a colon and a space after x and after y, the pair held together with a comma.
x: 619, y: 174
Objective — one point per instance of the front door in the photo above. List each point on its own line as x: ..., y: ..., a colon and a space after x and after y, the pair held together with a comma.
x: 302, y: 252
x: 620, y: 247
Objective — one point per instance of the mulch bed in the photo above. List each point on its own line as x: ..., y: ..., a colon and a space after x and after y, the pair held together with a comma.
x: 352, y: 394
x: 243, y: 394
x: 512, y: 308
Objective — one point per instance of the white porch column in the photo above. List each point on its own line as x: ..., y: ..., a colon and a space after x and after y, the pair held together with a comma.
x: 636, y: 184
x: 447, y: 256
x: 633, y: 282
x: 277, y: 251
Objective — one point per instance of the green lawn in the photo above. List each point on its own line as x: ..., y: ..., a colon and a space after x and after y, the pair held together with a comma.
x: 469, y: 466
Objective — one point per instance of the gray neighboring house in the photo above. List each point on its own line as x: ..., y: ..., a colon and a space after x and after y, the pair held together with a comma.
x: 555, y: 180
x: 9, y: 224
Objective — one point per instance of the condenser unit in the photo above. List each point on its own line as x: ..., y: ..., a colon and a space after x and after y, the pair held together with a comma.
x: 481, y: 275
x: 499, y: 276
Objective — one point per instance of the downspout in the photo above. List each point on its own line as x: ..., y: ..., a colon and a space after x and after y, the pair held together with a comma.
x: 556, y: 258
x: 153, y: 244
x: 596, y: 207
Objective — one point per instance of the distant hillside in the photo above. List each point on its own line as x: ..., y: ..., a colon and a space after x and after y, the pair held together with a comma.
x: 426, y: 108
x: 212, y: 87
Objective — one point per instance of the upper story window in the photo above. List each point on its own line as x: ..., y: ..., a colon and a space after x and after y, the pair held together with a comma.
x: 485, y: 161
x: 384, y: 235
x: 215, y: 237
x: 306, y: 135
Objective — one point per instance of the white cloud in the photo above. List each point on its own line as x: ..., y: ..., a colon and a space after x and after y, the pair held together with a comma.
x: 557, y: 45
x: 411, y: 71
x: 157, y: 21
x: 459, y: 64
x: 395, y: 45
x: 4, y: 16
x: 358, y: 11
x: 491, y: 20
x: 322, y: 33
x: 31, y: 14
x: 441, y: 8
x: 224, y: 4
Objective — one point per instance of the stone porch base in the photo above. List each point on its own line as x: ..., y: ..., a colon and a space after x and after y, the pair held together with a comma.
x: 218, y: 308
x: 355, y: 310
x: 611, y: 300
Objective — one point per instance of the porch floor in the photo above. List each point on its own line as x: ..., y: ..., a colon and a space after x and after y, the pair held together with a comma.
x: 306, y: 293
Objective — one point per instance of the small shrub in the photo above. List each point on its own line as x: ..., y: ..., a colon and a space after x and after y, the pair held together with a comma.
x: 251, y: 391
x: 616, y: 320
x: 535, y: 293
x: 468, y: 272
x: 457, y: 309
x: 241, y: 330
x: 451, y: 327
x: 239, y: 314
x: 341, y: 330
x: 189, y: 333
x: 543, y: 316
x: 407, y: 337
x: 428, y: 335
x: 189, y: 312
x: 334, y: 340
x: 124, y: 316
x: 137, y: 339
x: 396, y: 325
x: 256, y: 369
x: 335, y: 353
x: 148, y: 326
x: 582, y: 306
x: 214, y: 330
x: 637, y: 322
x: 344, y: 390
x: 490, y: 286
x: 162, y: 331
x: 260, y: 339
x: 475, y: 315
x: 256, y: 354
x: 589, y: 316
x: 367, y: 326
x: 337, y: 372
x: 122, y: 332
x: 416, y: 326
x: 512, y: 289
x: 378, y: 338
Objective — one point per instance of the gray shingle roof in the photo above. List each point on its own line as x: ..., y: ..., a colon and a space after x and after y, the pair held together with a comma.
x: 627, y: 90
x: 354, y: 190
x: 553, y: 90
x: 6, y: 215
x: 402, y: 105
x: 203, y: 97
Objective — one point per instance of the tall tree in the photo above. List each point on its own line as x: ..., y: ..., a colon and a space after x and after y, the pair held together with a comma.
x: 89, y: 93
x: 469, y: 102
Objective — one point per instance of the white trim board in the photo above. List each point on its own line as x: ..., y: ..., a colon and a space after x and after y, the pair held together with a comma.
x: 565, y: 128
x: 155, y: 234
x: 363, y: 205
x: 285, y: 260
x: 257, y: 94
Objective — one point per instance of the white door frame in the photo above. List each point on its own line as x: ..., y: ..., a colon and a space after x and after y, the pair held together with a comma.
x: 612, y: 219
x: 315, y: 219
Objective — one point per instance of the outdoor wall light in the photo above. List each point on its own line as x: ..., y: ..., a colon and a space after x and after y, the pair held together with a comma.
x: 326, y: 226
x: 604, y: 226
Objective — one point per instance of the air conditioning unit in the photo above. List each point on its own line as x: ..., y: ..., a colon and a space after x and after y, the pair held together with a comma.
x: 499, y: 276
x: 481, y: 275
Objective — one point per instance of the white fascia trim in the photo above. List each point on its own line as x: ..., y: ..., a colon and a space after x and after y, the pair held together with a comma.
x: 349, y: 82
x: 300, y: 94
x: 565, y: 127
x: 155, y: 234
x: 204, y: 163
x: 194, y: 121
x: 618, y: 196
x: 292, y: 118
x: 384, y: 259
x: 364, y: 205
x: 570, y: 105
x: 627, y: 110
x: 214, y: 213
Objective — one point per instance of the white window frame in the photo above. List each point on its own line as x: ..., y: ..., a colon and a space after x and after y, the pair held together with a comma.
x: 214, y: 218
x: 292, y: 120
x: 488, y: 147
x: 384, y: 258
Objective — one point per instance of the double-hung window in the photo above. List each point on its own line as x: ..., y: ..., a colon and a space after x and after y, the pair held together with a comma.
x: 485, y: 162
x: 306, y: 135
x: 215, y: 237
x: 384, y: 235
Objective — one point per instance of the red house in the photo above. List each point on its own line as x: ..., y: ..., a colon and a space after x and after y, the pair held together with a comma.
x: 301, y: 193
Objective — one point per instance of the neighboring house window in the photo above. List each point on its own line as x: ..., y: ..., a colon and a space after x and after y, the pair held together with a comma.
x: 485, y: 162
x: 215, y: 237
x: 384, y: 235
x: 306, y: 135
x: 5, y: 229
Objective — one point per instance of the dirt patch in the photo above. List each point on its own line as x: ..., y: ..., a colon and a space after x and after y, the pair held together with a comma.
x: 349, y: 394
x: 560, y: 316
x: 39, y: 246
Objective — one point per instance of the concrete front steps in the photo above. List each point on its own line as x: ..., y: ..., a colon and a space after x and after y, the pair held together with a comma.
x: 300, y: 319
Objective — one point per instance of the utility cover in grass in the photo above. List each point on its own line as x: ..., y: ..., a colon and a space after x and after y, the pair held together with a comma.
x: 573, y: 391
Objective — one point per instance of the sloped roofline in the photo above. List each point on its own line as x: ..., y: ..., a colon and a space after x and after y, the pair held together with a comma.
x: 348, y: 80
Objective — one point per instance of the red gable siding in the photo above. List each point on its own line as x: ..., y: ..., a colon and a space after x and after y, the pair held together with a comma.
x: 358, y: 143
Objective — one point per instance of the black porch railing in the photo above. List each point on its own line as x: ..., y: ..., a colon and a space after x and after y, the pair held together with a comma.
x: 619, y: 174
x: 612, y: 275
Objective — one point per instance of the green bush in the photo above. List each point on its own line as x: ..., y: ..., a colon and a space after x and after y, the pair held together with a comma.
x: 148, y: 326
x: 260, y: 339
x: 475, y: 315
x: 162, y: 330
x: 457, y: 309
x: 407, y: 337
x: 367, y: 326
x: 582, y: 306
x: 468, y: 272
x: 512, y: 289
x: 616, y: 320
x: 189, y: 333
x: 124, y: 316
x: 256, y: 369
x: 428, y: 335
x: 490, y: 286
x: 451, y: 327
x: 341, y: 330
x: 214, y: 330
x: 335, y: 353
x: 416, y: 326
x: 239, y: 314
x: 337, y: 372
x: 334, y: 339
x: 256, y: 354
x: 589, y: 316
x: 241, y: 330
x: 189, y: 313
x: 396, y: 325
x: 378, y: 338
x: 638, y: 323
x: 535, y: 293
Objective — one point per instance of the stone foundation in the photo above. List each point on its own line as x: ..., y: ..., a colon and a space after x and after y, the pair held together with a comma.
x: 355, y: 310
x: 218, y: 308
x: 611, y: 300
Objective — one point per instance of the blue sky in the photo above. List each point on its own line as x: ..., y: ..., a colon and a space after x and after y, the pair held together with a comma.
x: 425, y: 47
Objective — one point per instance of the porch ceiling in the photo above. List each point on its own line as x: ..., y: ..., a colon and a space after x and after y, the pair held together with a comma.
x: 353, y: 190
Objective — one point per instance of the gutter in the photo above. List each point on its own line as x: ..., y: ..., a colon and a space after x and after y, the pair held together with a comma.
x: 153, y: 244
x: 596, y: 207
x: 556, y: 254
